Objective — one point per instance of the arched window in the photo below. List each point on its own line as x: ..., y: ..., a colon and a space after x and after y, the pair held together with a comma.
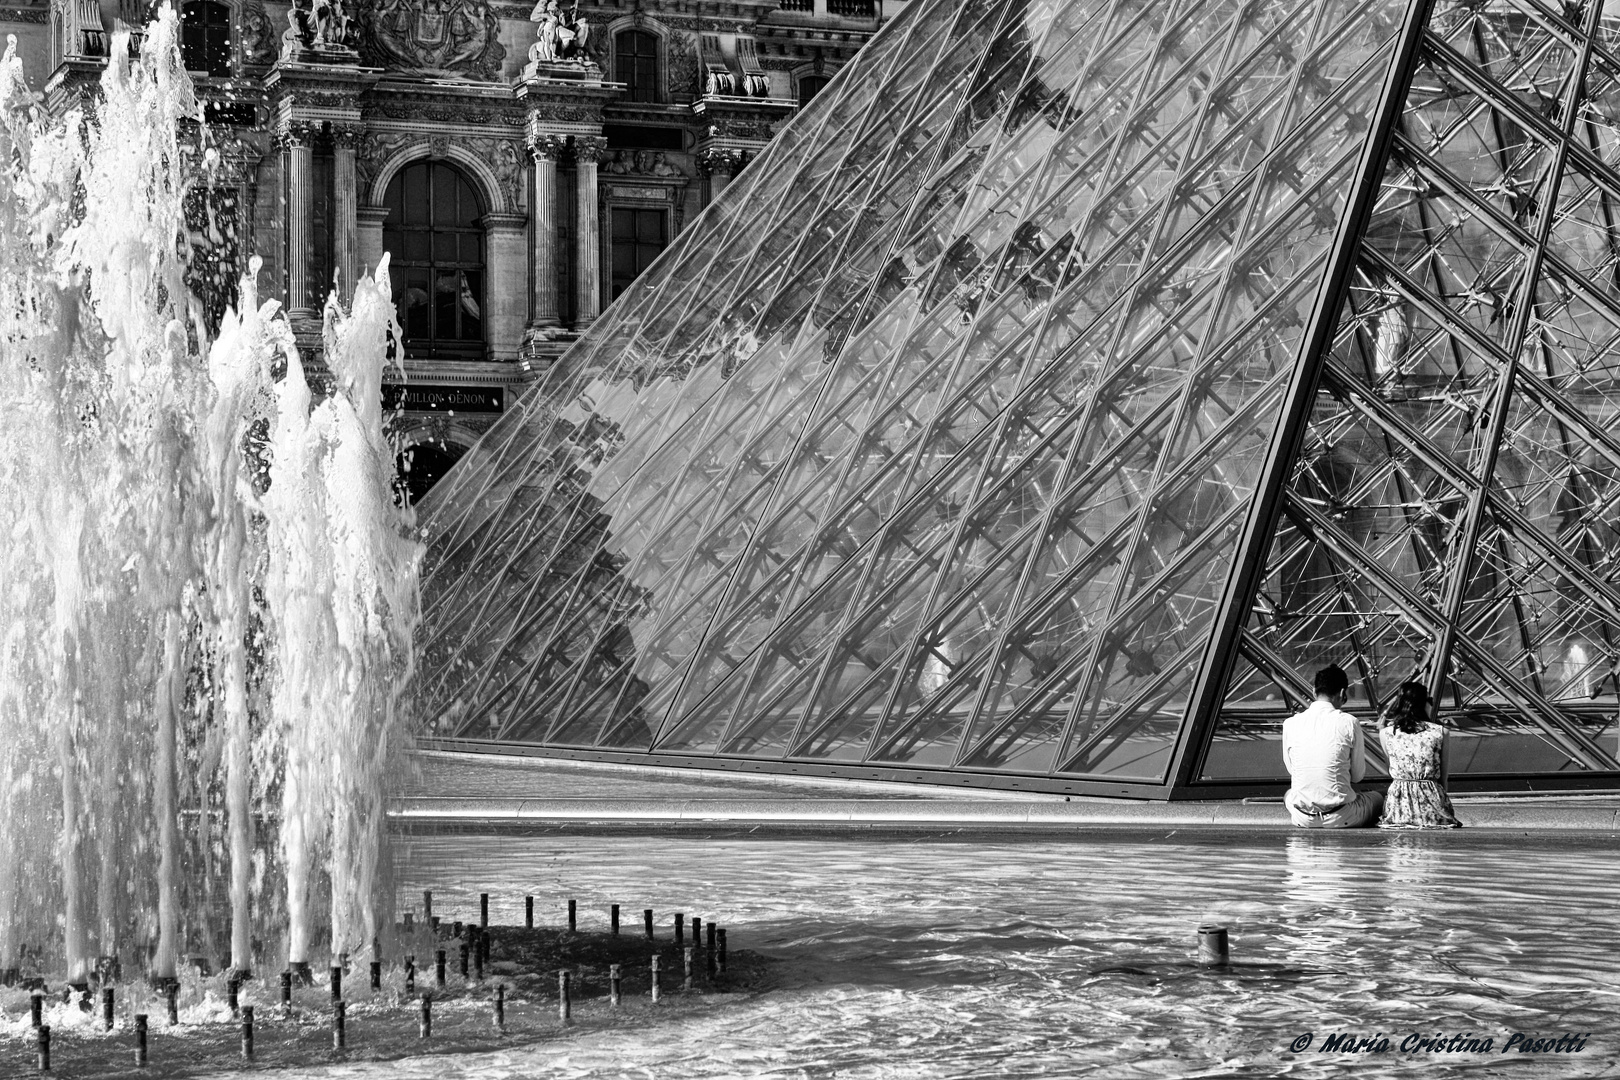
x: 436, y: 248
x: 635, y: 63
x: 810, y: 86
x: 205, y: 38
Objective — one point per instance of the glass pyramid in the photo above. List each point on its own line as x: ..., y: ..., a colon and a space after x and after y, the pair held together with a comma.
x: 1061, y: 388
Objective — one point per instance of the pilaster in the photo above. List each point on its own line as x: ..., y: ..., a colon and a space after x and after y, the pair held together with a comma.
x: 369, y: 236
x: 588, y: 150
x: 295, y: 139
x: 547, y: 150
x: 563, y: 104
x: 505, y: 300
x: 345, y: 208
x: 314, y: 95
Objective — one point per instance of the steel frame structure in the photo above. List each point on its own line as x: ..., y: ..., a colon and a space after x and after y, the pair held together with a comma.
x: 1065, y: 382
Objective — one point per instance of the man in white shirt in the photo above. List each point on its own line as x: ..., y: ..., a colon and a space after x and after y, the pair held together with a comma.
x: 1325, y: 752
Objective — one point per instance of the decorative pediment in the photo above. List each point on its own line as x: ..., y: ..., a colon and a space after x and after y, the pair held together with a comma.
x: 459, y: 36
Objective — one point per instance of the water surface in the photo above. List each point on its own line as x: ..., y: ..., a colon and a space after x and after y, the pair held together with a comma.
x: 949, y: 957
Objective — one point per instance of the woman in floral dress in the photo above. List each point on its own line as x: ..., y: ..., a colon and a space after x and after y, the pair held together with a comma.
x: 1416, y: 752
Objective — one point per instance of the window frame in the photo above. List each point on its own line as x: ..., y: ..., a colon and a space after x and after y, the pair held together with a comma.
x: 611, y: 236
x: 635, y: 91
x: 401, y: 223
x: 820, y: 78
x: 214, y: 39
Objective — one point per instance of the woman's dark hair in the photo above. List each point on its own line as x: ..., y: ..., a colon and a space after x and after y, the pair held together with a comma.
x: 1410, y: 710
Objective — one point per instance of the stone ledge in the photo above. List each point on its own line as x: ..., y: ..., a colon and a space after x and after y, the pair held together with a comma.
x: 946, y: 813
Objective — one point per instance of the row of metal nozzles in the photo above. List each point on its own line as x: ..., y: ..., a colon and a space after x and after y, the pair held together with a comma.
x: 244, y: 1013
x: 475, y: 954
x: 528, y: 917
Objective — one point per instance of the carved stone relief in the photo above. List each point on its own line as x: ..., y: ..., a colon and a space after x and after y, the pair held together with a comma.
x: 434, y: 35
x: 504, y: 157
x: 258, y: 34
x: 376, y: 148
x: 733, y: 128
x: 683, y: 64
x: 459, y: 114
x: 507, y: 162
x: 640, y: 163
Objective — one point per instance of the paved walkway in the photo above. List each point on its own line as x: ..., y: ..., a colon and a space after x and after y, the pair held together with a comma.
x: 548, y: 792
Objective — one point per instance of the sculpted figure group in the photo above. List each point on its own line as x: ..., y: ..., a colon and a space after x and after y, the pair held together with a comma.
x: 558, y: 37
x: 316, y: 24
x: 640, y: 162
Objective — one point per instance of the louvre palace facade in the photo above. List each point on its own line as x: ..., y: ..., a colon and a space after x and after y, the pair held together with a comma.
x: 520, y: 163
x: 1060, y: 389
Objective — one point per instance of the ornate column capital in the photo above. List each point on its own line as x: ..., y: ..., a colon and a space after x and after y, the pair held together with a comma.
x: 589, y: 148
x: 723, y: 160
x: 293, y: 133
x: 347, y: 136
x: 551, y: 147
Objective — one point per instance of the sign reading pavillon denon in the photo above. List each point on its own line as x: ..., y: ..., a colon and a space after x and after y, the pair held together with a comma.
x: 419, y: 397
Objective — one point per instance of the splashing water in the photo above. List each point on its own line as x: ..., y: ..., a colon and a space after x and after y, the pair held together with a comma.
x: 208, y: 595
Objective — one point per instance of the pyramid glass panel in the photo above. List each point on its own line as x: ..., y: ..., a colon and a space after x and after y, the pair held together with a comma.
x: 1067, y: 382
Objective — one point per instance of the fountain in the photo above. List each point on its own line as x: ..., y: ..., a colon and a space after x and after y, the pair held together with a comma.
x: 208, y: 593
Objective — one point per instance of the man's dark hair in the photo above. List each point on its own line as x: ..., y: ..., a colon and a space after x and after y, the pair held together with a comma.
x: 1331, y: 680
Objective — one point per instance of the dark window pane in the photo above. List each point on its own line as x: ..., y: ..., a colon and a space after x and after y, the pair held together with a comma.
x: 415, y: 195
x: 437, y: 247
x: 636, y: 64
x: 470, y: 306
x: 639, y: 236
x: 205, y: 38
x: 467, y: 209
x: 810, y: 86
x: 445, y: 211
x: 413, y: 302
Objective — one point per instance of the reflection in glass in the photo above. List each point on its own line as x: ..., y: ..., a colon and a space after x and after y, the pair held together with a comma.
x: 937, y: 443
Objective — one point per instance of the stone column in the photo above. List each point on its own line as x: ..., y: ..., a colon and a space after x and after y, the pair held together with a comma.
x: 345, y: 205
x: 506, y: 302
x: 547, y: 149
x: 369, y: 237
x: 721, y: 164
x: 588, y: 150
x: 295, y: 141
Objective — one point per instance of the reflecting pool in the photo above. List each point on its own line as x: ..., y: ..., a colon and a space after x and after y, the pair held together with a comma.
x: 965, y: 957
x: 942, y: 957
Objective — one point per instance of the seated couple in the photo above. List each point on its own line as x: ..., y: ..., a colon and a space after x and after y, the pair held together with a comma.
x: 1324, y: 750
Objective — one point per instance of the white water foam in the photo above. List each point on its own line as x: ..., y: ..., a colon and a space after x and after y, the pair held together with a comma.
x: 209, y: 595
